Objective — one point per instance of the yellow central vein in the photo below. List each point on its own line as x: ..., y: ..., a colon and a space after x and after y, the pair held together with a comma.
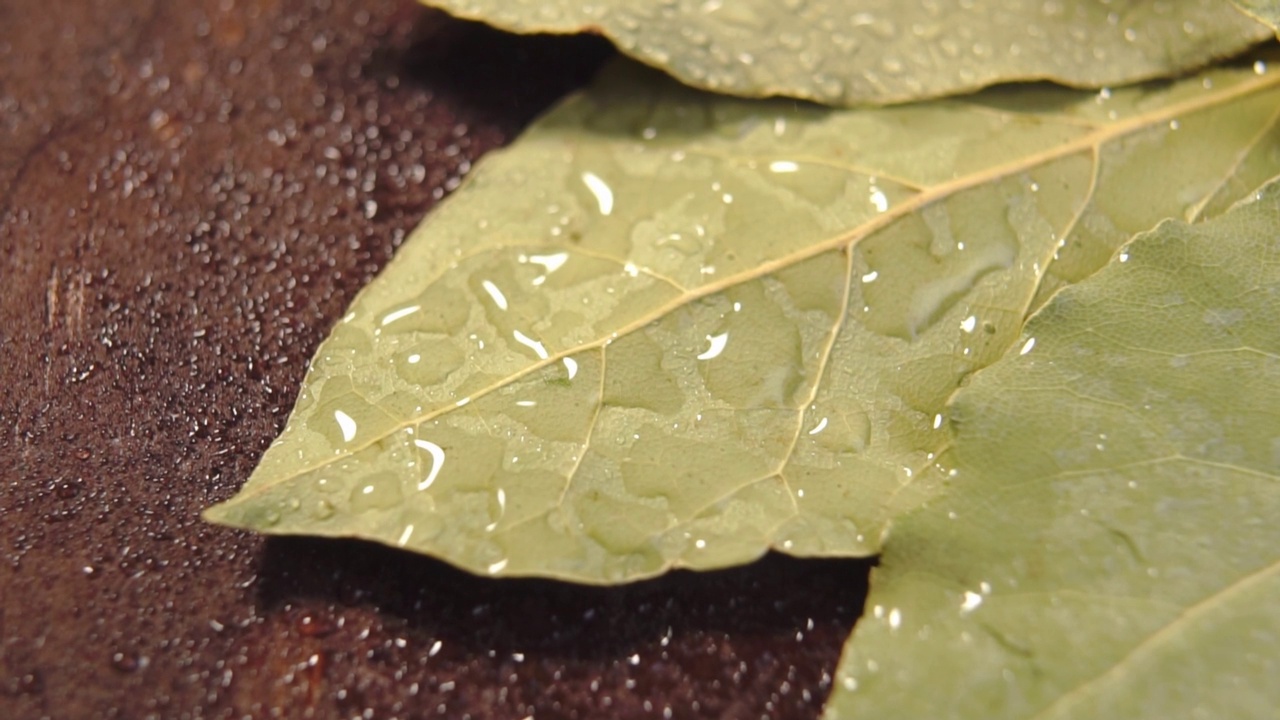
x: 1083, y: 143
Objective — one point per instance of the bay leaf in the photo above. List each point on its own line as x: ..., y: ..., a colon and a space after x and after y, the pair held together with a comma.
x: 853, y: 52
x: 1108, y: 546
x: 667, y: 328
x: 1264, y: 11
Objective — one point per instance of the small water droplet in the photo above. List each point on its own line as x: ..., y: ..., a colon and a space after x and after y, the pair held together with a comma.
x: 127, y: 662
x: 380, y: 491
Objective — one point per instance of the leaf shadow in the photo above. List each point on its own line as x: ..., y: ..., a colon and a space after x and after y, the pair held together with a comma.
x: 755, y: 609
x: 485, y: 69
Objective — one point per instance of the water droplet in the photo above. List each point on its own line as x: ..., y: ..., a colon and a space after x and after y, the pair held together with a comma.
x: 376, y: 492
x: 878, y: 199
x: 495, y: 294
x: 128, y: 662
x: 841, y: 429
x: 438, y: 309
x: 930, y: 266
x: 347, y: 424
x: 437, y: 456
x: 601, y: 190
x: 686, y: 245
x: 398, y: 313
x: 717, y: 346
x: 405, y: 535
x: 429, y: 363
x: 539, y: 350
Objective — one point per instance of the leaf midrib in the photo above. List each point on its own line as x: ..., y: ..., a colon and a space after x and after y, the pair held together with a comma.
x: 1152, y: 643
x: 1093, y: 140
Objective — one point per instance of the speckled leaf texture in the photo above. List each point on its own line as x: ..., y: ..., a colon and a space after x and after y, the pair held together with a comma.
x: 857, y: 52
x: 1109, y: 546
x: 672, y: 329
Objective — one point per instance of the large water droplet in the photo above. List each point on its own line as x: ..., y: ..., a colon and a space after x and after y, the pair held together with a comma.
x: 345, y: 418
x: 926, y: 263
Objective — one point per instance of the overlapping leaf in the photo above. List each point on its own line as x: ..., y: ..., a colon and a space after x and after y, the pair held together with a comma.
x: 1265, y: 11
x: 1109, y: 546
x: 849, y: 52
x: 672, y: 329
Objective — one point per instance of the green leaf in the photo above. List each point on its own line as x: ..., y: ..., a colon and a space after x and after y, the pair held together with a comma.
x: 1264, y: 11
x: 1109, y: 545
x: 667, y: 328
x: 853, y: 52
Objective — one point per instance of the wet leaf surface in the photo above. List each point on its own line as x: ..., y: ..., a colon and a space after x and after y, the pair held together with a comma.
x: 1108, y: 545
x: 848, y: 52
x: 667, y: 329
x: 1265, y: 11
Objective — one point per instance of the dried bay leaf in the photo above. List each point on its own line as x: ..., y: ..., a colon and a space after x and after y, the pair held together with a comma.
x: 1108, y: 547
x: 852, y: 52
x: 667, y: 328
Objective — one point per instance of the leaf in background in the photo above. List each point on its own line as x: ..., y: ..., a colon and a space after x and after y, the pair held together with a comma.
x: 667, y: 328
x: 1266, y: 11
x: 850, y: 52
x: 1109, y: 546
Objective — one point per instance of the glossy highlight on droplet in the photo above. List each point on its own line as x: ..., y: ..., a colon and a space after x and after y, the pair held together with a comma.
x: 346, y: 424
x: 717, y: 346
x: 437, y: 462
x: 601, y: 190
